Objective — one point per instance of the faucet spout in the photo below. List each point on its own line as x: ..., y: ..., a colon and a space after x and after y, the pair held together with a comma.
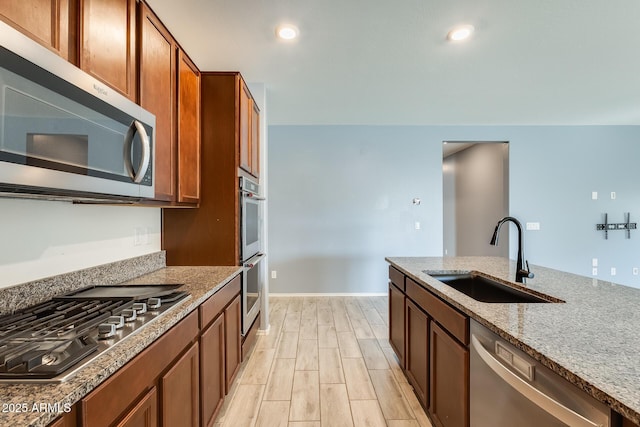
x: 521, y: 271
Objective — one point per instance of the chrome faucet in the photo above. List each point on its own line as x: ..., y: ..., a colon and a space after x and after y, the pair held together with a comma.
x: 521, y: 271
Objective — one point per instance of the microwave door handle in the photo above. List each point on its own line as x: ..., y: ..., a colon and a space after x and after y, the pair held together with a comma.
x: 535, y: 396
x: 136, y: 126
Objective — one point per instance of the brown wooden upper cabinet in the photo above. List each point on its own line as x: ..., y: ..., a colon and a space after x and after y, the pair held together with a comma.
x: 188, y: 130
x: 249, y: 132
x: 170, y: 89
x: 49, y: 22
x: 158, y: 82
x: 108, y: 43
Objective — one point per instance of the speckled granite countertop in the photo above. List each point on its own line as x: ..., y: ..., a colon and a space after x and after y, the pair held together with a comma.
x: 200, y: 282
x: 593, y: 339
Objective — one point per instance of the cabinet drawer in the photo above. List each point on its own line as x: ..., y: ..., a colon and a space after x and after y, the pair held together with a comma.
x: 456, y: 323
x: 210, y: 309
x: 397, y: 278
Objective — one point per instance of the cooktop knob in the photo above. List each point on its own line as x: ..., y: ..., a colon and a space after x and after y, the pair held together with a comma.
x: 118, y: 321
x: 140, y: 307
x: 129, y: 314
x: 106, y: 330
x: 153, y: 303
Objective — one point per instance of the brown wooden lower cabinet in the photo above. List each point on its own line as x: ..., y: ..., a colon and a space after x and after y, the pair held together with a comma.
x: 233, y: 341
x: 180, y: 391
x: 449, y: 379
x: 397, y: 321
x: 417, y: 351
x: 144, y: 414
x: 212, y: 378
x: 436, y: 357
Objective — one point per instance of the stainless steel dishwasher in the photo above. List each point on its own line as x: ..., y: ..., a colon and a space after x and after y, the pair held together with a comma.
x: 509, y: 388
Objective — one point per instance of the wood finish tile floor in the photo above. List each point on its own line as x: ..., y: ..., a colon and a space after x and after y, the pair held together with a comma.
x: 326, y: 362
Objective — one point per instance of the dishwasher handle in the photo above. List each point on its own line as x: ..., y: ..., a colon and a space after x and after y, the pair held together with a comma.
x: 534, y: 395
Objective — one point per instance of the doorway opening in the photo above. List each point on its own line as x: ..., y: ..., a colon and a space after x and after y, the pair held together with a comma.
x: 475, y: 177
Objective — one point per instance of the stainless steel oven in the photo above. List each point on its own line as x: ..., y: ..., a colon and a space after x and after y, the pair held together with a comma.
x: 64, y: 133
x: 251, y: 210
x: 251, y: 250
x: 252, y: 284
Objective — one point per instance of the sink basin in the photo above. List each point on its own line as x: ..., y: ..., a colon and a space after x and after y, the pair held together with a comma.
x: 483, y: 289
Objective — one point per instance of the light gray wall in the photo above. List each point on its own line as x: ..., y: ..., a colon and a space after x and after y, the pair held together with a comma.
x: 479, y: 197
x: 340, y: 199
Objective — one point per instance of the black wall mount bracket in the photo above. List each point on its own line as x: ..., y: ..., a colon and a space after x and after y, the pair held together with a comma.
x: 607, y: 226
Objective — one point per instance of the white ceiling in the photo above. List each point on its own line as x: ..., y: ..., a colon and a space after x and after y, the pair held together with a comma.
x: 384, y: 62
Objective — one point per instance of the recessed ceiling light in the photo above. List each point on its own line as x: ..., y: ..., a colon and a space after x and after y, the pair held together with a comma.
x: 287, y: 31
x: 459, y: 33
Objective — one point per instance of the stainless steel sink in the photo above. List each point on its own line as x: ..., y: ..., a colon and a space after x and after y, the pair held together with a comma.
x: 483, y: 289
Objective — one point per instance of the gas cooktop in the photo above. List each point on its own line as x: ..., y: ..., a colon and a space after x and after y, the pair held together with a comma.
x: 51, y: 341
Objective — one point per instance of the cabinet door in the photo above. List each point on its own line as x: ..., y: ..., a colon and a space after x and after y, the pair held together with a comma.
x: 188, y: 131
x: 449, y: 385
x: 108, y: 58
x: 233, y: 341
x: 255, y: 140
x: 69, y: 419
x: 246, y: 107
x: 49, y: 22
x: 417, y: 350
x: 212, y: 380
x: 144, y: 414
x: 157, y: 95
x: 180, y: 391
x: 396, y: 322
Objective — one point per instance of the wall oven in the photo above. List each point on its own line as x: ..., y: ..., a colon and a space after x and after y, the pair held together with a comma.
x: 64, y: 134
x: 251, y: 250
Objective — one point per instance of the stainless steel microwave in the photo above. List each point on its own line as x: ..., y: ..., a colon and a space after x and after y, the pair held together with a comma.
x: 65, y: 134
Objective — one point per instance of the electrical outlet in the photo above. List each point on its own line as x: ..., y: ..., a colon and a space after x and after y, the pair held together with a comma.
x: 533, y: 226
x: 594, y: 195
x: 594, y: 271
x: 274, y: 274
x: 613, y: 195
x: 417, y: 225
x: 635, y: 271
x: 613, y: 271
x: 594, y: 262
x: 140, y: 236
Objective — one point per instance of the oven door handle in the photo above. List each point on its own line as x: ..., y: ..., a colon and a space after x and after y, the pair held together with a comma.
x: 253, y: 196
x: 535, y: 396
x: 254, y: 260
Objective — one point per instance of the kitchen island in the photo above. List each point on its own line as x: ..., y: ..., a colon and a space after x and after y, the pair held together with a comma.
x: 39, y: 404
x: 591, y: 339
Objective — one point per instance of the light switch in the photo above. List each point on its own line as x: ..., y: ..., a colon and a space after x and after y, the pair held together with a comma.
x: 613, y: 271
x: 594, y: 262
x: 613, y: 195
x: 417, y: 225
x: 594, y: 195
x: 594, y: 271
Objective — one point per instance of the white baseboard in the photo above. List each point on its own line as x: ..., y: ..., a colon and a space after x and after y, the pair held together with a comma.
x: 348, y: 294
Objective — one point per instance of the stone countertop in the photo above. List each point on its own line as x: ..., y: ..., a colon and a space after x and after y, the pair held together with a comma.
x: 592, y: 340
x: 200, y: 282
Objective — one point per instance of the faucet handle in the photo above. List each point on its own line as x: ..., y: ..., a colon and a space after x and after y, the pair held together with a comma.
x: 529, y: 274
